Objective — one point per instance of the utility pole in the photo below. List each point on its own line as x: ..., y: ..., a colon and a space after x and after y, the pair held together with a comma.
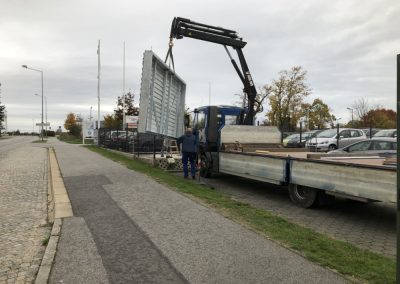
x: 209, y: 93
x: 98, y: 94
x: 45, y: 99
x: 123, y: 91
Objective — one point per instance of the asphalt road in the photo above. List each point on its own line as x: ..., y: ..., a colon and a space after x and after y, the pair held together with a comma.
x: 371, y: 226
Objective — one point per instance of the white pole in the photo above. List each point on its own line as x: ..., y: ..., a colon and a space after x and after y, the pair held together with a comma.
x: 209, y: 93
x: 45, y: 100
x: 98, y: 94
x: 123, y: 92
x: 42, y: 103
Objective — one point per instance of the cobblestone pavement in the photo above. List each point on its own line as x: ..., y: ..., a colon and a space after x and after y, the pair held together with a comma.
x: 23, y: 209
x: 369, y: 226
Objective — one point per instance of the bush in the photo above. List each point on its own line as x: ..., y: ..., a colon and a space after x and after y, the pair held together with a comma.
x: 51, y: 133
x: 64, y: 136
x: 75, y: 130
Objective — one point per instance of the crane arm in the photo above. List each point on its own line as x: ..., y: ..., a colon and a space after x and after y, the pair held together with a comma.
x: 182, y: 27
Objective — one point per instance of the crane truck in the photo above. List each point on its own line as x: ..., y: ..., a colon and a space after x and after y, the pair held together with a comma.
x: 229, y: 142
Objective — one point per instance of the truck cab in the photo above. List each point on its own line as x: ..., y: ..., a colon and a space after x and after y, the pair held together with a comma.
x: 208, y: 121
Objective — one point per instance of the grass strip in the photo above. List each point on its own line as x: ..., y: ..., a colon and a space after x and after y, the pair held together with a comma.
x: 355, y: 263
x: 70, y: 139
x: 40, y: 141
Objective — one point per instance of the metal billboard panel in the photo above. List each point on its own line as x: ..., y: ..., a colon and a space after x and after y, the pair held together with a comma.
x: 162, y: 98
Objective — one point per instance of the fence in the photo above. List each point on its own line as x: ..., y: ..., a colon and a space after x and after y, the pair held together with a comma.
x: 131, y: 141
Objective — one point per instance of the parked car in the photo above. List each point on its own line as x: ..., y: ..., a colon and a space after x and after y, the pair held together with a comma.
x: 327, y: 139
x: 381, y: 146
x: 145, y: 142
x: 293, y: 141
x: 370, y: 131
x: 385, y: 133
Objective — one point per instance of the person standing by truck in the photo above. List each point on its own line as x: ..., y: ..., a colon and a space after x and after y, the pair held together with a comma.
x: 188, y: 148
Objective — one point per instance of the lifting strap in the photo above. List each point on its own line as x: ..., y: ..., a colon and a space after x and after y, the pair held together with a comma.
x: 169, y: 54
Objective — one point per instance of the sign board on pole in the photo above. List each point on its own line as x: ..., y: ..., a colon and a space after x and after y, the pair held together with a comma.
x: 88, y: 129
x: 132, y: 121
x: 43, y: 124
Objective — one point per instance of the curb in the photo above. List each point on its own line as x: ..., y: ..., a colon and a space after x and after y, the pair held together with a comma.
x: 59, y: 207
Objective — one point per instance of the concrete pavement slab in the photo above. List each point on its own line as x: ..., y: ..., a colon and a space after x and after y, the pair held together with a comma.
x: 77, y: 259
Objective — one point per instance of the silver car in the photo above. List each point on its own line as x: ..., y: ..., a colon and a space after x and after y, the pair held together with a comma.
x: 327, y: 139
x: 382, y: 147
x: 385, y: 133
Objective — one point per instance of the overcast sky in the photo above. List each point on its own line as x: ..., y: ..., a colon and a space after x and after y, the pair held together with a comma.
x: 348, y: 48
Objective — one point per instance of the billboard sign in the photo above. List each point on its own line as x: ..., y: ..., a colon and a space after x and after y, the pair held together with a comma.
x: 162, y: 98
x: 88, y: 128
x: 132, y: 121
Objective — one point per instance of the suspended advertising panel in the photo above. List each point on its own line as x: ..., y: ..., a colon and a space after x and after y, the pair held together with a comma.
x: 162, y: 98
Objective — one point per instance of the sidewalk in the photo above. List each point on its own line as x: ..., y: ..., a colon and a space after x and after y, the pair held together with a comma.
x: 129, y: 229
x: 23, y: 209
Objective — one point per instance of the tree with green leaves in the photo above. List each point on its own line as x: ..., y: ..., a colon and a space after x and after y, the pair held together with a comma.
x: 130, y: 108
x: 72, y: 125
x: 111, y: 121
x: 2, y: 113
x: 319, y: 115
x: 286, y: 96
x: 380, y: 118
x: 2, y: 117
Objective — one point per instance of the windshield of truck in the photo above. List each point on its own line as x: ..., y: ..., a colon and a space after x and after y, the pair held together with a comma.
x: 329, y: 133
x: 386, y: 133
x: 199, y: 121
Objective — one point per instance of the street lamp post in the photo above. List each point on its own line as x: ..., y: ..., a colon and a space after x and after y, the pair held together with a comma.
x: 352, y: 120
x: 41, y: 73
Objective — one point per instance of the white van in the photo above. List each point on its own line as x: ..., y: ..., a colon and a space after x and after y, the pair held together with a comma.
x: 327, y: 139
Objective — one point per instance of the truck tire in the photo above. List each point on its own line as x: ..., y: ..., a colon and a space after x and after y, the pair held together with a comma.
x: 205, y: 166
x: 303, y: 196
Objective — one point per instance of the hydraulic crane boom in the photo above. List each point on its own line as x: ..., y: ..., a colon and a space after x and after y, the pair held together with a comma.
x: 182, y: 27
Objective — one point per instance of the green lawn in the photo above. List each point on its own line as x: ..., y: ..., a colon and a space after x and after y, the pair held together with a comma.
x: 65, y: 137
x: 40, y: 141
x: 356, y: 264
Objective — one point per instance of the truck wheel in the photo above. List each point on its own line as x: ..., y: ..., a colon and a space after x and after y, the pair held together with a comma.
x: 205, y: 166
x: 303, y: 196
x: 332, y: 147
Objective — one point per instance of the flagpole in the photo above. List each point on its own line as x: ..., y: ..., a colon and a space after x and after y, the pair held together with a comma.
x: 123, y: 93
x: 98, y: 93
